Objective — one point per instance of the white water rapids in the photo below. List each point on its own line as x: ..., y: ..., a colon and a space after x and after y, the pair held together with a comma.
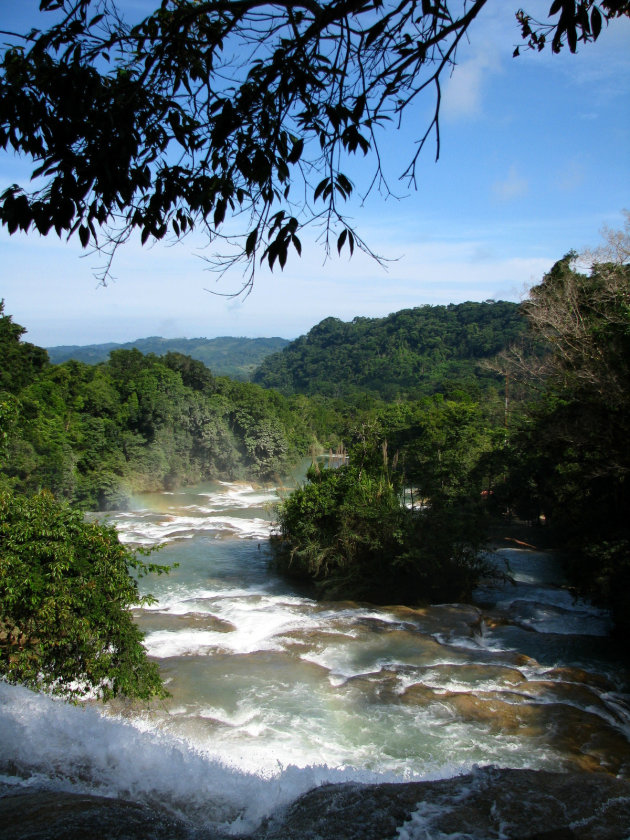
x: 273, y: 693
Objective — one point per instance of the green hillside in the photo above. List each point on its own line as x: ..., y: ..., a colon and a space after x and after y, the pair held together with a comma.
x: 408, y: 354
x: 225, y: 356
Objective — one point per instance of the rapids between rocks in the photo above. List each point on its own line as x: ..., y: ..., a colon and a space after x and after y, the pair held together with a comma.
x: 292, y: 718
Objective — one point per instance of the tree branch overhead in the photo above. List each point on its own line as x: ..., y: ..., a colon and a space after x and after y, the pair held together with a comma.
x: 234, y: 118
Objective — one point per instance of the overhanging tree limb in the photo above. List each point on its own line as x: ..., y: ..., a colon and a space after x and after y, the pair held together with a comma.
x: 236, y: 118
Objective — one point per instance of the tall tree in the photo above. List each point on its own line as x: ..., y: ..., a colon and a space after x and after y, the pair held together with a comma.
x: 207, y: 111
x: 572, y: 458
x: 585, y: 320
x: 20, y: 361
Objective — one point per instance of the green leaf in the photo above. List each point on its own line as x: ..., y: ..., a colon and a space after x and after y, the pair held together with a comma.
x: 219, y: 212
x: 282, y: 254
x: 359, y: 108
x: 343, y: 185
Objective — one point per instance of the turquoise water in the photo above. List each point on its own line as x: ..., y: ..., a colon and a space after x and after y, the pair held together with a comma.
x: 273, y: 692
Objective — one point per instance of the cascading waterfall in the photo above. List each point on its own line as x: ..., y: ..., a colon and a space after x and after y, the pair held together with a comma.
x: 273, y: 693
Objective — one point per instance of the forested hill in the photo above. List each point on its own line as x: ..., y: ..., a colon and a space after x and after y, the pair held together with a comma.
x: 411, y: 353
x: 225, y: 356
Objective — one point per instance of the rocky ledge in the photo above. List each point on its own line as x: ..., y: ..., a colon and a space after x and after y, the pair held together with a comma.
x: 487, y: 804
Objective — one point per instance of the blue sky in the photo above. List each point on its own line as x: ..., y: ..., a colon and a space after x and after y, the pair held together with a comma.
x: 535, y: 159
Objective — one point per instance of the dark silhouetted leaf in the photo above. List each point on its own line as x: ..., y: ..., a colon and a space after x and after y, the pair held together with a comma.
x: 296, y: 151
x: 251, y: 242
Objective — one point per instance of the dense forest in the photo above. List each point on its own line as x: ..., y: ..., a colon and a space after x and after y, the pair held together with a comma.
x: 94, y: 434
x: 237, y: 358
x: 558, y: 455
x: 568, y: 459
x: 404, y: 519
x: 518, y: 412
x: 407, y: 355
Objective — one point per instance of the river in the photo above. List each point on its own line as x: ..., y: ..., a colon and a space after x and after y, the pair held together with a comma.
x: 274, y: 694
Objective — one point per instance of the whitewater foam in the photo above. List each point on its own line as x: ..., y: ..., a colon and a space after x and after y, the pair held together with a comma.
x: 53, y: 745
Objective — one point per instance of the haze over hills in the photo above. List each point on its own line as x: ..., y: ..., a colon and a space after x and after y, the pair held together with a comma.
x: 225, y: 356
x: 407, y: 354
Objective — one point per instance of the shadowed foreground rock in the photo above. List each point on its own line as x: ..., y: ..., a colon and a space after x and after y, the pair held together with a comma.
x: 488, y: 804
x: 45, y: 815
x: 485, y: 805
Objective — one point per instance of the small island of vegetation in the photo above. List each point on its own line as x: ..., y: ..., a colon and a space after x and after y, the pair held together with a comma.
x: 556, y: 453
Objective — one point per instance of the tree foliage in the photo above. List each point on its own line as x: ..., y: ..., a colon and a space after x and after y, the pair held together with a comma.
x: 356, y: 531
x: 237, y: 358
x: 20, y: 361
x: 585, y: 320
x: 408, y: 354
x: 94, y: 434
x: 577, y: 21
x: 236, y: 117
x: 66, y: 589
x: 570, y: 460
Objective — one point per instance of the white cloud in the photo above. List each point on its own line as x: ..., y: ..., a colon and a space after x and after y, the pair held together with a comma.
x: 161, y: 291
x: 463, y: 94
x: 511, y: 187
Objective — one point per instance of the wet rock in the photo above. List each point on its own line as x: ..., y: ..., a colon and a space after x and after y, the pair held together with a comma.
x: 494, y: 621
x: 522, y: 660
x: 451, y: 620
x: 492, y: 710
x: 149, y: 621
x: 377, y: 687
x: 308, y: 639
x: 472, y: 675
x: 68, y: 816
x: 574, y: 694
x: 586, y: 740
x: 486, y: 805
x: 578, y: 675
x: 421, y: 695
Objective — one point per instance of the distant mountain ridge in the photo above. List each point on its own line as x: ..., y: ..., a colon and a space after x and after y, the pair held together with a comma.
x: 225, y: 356
x: 405, y: 355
